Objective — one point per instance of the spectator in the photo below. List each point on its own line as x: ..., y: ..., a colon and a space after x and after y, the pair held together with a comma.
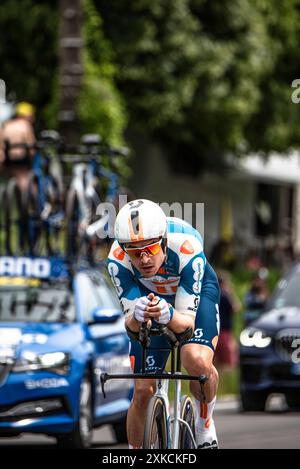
x: 17, y: 162
x: 226, y: 354
x: 257, y: 296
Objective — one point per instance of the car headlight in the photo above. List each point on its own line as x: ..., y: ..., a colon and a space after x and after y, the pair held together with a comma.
x: 57, y: 362
x: 254, y: 338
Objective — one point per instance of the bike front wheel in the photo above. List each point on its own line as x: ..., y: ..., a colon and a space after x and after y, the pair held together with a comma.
x: 187, y: 415
x: 156, y: 433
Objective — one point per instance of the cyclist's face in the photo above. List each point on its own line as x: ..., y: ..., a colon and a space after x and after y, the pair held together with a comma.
x: 146, y: 264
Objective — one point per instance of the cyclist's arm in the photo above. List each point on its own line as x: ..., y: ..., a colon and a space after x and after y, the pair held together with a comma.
x: 180, y: 322
x: 132, y: 324
x: 127, y: 291
x: 188, y: 293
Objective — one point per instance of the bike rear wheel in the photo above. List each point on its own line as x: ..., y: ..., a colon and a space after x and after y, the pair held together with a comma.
x: 156, y: 434
x: 187, y: 415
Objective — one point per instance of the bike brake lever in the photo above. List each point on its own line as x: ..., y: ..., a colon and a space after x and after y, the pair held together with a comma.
x: 202, y: 381
x: 103, y: 379
x: 144, y: 335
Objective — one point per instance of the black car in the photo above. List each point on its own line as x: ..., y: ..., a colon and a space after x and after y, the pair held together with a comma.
x: 270, y: 348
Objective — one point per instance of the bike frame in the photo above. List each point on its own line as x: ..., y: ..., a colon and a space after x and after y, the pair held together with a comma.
x: 86, y: 174
x: 162, y: 386
x: 173, y: 424
x: 40, y: 169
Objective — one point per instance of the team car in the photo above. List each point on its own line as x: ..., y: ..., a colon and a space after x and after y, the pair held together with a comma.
x: 270, y: 349
x: 60, y: 329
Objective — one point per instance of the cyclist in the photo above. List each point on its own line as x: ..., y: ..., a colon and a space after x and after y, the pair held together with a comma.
x: 17, y: 162
x: 158, y: 268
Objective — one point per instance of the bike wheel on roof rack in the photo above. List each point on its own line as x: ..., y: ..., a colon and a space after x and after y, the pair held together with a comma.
x: 53, y: 216
x: 15, y: 222
x: 73, y: 216
x: 33, y: 204
x: 2, y: 227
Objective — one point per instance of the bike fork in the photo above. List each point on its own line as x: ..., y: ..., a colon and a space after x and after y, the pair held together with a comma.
x: 176, y: 418
x: 162, y: 387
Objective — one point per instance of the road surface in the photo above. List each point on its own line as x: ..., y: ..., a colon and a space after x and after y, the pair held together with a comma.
x: 272, y: 429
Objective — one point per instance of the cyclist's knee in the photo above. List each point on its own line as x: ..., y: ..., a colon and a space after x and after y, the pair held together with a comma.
x: 196, y: 363
x: 143, y: 392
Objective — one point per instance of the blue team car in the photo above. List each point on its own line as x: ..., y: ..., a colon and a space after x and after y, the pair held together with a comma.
x: 58, y: 332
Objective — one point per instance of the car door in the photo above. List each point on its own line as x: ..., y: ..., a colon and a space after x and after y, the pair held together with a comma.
x: 108, y: 336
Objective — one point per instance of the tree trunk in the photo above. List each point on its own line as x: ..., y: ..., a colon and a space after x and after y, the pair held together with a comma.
x: 70, y: 45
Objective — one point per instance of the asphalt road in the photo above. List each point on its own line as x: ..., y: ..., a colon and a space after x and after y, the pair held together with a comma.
x: 272, y: 429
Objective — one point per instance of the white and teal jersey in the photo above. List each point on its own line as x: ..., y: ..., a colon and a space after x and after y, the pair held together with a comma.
x: 180, y: 278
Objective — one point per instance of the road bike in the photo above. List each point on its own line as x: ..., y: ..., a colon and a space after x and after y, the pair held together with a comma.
x: 38, y: 210
x: 85, y: 224
x: 162, y: 430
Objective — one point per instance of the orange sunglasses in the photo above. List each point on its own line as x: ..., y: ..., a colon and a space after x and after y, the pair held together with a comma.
x: 150, y: 250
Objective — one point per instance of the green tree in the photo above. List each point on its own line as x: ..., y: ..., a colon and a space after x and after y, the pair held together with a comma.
x: 207, y: 77
x: 101, y: 107
x: 275, y: 124
x: 155, y: 45
x: 28, y: 50
x: 29, y: 66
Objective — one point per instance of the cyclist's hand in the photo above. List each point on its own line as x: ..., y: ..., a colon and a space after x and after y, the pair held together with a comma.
x: 159, y: 309
x: 166, y: 312
x: 140, y: 309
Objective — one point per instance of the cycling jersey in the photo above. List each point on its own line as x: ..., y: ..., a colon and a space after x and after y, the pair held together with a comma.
x: 178, y: 281
x: 184, y: 277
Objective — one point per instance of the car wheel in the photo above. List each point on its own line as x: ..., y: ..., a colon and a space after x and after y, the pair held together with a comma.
x: 120, y: 431
x: 253, y: 401
x: 81, y: 436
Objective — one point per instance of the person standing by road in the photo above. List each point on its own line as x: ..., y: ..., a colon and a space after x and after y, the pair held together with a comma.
x: 226, y: 356
x: 17, y: 162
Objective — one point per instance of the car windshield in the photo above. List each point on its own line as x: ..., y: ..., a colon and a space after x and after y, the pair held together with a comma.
x: 30, y: 300
x: 96, y: 292
x: 287, y: 293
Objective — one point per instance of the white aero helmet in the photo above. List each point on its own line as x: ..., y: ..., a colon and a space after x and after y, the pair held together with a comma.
x: 140, y: 220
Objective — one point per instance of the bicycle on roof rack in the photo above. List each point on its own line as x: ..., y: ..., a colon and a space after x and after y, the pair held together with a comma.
x: 33, y: 221
x: 161, y: 430
x: 28, y: 214
x: 85, y: 224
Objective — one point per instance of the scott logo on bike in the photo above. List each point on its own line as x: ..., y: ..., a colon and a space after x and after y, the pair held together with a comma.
x: 24, y: 266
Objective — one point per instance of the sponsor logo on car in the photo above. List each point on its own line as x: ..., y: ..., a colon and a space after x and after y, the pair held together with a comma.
x: 45, y: 383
